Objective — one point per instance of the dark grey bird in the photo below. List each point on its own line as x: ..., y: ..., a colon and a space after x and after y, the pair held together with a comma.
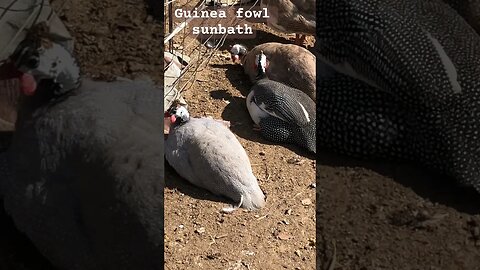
x: 469, y: 10
x: 412, y: 72
x: 206, y: 153
x: 5, y: 169
x: 87, y: 165
x: 282, y: 113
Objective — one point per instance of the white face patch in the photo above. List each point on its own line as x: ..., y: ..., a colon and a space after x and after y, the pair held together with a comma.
x: 447, y: 64
x: 58, y: 64
x: 182, y: 113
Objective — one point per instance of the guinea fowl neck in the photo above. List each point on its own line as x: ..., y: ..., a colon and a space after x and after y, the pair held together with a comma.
x: 261, y: 73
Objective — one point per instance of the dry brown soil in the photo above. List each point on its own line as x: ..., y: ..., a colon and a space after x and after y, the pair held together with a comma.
x: 279, y: 236
x: 386, y: 215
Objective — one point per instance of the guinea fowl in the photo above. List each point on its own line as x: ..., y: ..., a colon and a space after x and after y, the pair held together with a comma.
x: 469, y: 10
x: 289, y: 64
x: 282, y: 113
x: 419, y: 59
x: 292, y: 16
x: 87, y: 164
x: 206, y: 153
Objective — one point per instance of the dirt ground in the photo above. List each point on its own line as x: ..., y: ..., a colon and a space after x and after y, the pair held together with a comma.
x: 386, y: 215
x: 112, y: 38
x: 280, y: 236
x: 117, y: 38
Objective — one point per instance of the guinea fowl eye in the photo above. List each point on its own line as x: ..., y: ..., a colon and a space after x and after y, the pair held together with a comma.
x: 32, y: 62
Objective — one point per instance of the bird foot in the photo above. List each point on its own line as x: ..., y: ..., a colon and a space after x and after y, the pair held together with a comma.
x: 256, y: 127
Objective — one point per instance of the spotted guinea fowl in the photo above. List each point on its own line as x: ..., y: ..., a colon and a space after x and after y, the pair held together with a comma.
x: 292, y: 16
x: 206, y: 153
x: 469, y: 10
x: 283, y: 114
x: 427, y: 58
x: 289, y: 64
x: 87, y: 164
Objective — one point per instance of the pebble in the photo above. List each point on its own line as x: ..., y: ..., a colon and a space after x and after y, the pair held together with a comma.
x: 200, y: 230
x: 306, y: 202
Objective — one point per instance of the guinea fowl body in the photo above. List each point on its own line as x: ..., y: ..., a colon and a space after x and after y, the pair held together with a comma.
x: 284, y: 114
x: 207, y: 154
x: 469, y: 10
x: 289, y: 64
x: 291, y: 16
x: 425, y: 60
x: 88, y: 175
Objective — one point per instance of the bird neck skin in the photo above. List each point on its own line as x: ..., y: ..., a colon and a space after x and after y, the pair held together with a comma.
x: 261, y: 73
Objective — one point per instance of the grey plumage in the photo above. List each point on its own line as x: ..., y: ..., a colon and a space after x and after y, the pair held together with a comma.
x: 87, y: 185
x: 284, y: 114
x: 207, y: 154
x: 5, y: 168
x: 416, y: 65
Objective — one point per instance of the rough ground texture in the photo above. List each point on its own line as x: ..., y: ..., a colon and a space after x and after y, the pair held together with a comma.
x: 280, y: 236
x: 112, y: 38
x: 385, y: 215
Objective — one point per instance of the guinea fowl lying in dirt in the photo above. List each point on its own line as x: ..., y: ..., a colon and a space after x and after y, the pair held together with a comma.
x: 282, y: 113
x: 206, y: 153
x: 412, y: 86
x: 286, y: 63
x: 292, y: 16
x: 87, y: 164
x: 469, y: 10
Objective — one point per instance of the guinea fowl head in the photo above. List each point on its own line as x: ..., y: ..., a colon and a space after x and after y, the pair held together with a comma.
x: 237, y: 52
x: 41, y: 58
x: 179, y: 115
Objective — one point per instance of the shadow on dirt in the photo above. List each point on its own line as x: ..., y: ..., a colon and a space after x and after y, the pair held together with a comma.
x: 436, y: 188
x: 242, y: 125
x: 175, y: 181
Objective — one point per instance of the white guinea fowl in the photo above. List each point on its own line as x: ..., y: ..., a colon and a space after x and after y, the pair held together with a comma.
x: 283, y: 113
x: 206, y: 153
x: 87, y: 165
x: 289, y: 64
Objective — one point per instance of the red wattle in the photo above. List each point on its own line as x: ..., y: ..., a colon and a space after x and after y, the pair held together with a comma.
x: 28, y: 85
